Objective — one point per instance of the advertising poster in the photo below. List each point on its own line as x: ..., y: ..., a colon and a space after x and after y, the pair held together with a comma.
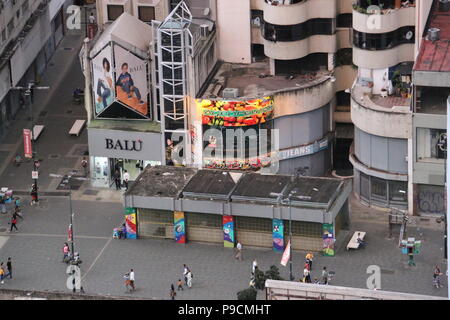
x: 328, y: 239
x: 278, y: 235
x: 228, y: 231
x: 179, y: 227
x: 102, y: 76
x: 130, y: 223
x: 236, y: 113
x: 27, y: 149
x: 131, y: 80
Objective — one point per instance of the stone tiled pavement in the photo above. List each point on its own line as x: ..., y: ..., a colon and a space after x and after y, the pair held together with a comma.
x: 36, y: 251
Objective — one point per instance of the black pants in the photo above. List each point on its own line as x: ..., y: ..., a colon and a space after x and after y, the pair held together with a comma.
x: 13, y: 225
x: 125, y: 183
x: 117, y: 184
x: 9, y: 273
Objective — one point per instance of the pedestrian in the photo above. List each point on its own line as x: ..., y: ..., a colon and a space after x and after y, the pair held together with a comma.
x: 17, y: 203
x: 172, y: 292
x: 66, y: 251
x: 254, y: 266
x: 309, y: 258
x: 2, y: 204
x: 123, y: 231
x: 13, y: 223
x: 9, y: 267
x: 34, y: 194
x: 238, y: 251
x: 127, y: 281
x: 436, y: 277
x: 189, y: 279
x: 92, y: 18
x: 18, y: 213
x: 132, y: 279
x: 180, y: 285
x: 84, y: 164
x: 306, y: 276
x: 185, y: 272
x: 324, y: 275
x: 306, y: 265
x: 117, y: 179
x: 2, y: 273
x: 126, y: 177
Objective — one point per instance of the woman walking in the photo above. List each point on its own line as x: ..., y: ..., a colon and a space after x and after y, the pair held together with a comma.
x: 13, y: 223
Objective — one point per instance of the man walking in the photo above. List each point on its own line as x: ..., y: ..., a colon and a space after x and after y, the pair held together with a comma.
x: 126, y: 177
x: 84, y: 164
x: 189, y: 279
x: 13, y: 223
x: 9, y: 267
x: 185, y: 272
x: 254, y: 266
x: 132, y: 279
x: 325, y: 275
x: 117, y: 179
x: 238, y: 251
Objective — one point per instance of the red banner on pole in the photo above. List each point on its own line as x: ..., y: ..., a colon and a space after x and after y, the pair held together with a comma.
x: 27, y: 149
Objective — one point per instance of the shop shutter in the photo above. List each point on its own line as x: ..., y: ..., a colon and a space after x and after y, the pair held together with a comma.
x: 204, y: 227
x: 155, y: 224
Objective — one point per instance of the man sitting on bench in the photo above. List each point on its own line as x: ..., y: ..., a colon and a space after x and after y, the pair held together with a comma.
x: 361, y: 242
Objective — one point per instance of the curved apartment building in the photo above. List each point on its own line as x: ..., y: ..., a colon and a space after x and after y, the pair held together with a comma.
x: 383, y: 50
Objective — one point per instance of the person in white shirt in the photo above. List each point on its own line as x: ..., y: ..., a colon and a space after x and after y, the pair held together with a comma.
x: 189, y: 278
x: 254, y: 266
x: 126, y: 177
x: 185, y: 272
x: 238, y: 251
x: 92, y: 18
x: 132, y: 279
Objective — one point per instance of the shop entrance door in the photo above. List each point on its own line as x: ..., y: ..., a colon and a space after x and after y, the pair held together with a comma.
x: 100, y: 176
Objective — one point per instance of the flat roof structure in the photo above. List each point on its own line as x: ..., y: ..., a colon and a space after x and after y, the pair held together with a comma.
x: 433, y: 59
x: 219, y: 192
x: 254, y: 80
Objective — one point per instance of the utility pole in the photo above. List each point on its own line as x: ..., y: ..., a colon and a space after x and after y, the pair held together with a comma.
x: 28, y: 91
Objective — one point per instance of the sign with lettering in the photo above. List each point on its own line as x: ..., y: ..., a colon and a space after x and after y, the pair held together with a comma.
x: 124, y: 145
x: 303, y: 150
x: 27, y: 149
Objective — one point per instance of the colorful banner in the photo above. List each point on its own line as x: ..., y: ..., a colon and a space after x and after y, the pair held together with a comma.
x: 130, y: 223
x: 27, y: 148
x: 235, y: 113
x: 328, y: 239
x: 228, y: 231
x: 131, y: 80
x: 286, y: 255
x: 179, y: 229
x: 278, y: 235
x: 102, y: 80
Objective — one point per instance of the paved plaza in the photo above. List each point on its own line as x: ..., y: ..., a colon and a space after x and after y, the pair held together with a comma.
x: 36, y: 249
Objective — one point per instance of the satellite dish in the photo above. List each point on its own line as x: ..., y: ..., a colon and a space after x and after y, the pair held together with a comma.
x: 409, y: 35
x: 206, y: 12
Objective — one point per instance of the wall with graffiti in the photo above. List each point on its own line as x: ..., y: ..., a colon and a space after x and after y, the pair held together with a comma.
x: 430, y: 199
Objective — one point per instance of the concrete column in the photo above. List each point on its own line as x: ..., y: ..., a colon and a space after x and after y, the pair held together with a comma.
x: 345, y: 216
x: 87, y: 81
x: 410, y: 177
x: 272, y: 66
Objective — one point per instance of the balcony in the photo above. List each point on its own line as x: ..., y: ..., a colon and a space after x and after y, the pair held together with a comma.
x: 386, y: 116
x: 385, y: 21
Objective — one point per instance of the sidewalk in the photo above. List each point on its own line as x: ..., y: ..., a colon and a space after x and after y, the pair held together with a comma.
x: 58, y: 152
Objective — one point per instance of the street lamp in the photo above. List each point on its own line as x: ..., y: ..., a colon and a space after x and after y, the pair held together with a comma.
x: 28, y: 92
x: 71, y: 213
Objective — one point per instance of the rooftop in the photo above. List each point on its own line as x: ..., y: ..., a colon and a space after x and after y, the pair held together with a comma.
x: 435, y: 55
x: 254, y: 80
x: 210, y: 184
x: 254, y: 186
x: 161, y: 181
x: 129, y: 125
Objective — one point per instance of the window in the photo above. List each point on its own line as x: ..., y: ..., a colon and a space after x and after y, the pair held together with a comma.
x: 18, y: 13
x: 344, y: 20
x: 382, y: 41
x: 273, y: 32
x: 431, y: 145
x: 25, y: 6
x: 146, y: 13
x: 114, y: 11
x: 397, y: 193
x: 11, y: 26
x: 379, y: 191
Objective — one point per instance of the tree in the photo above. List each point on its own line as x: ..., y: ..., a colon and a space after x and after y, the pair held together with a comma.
x: 247, y: 294
x: 273, y: 273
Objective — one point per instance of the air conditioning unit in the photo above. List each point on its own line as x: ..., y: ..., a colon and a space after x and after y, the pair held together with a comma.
x: 204, y: 30
x: 230, y: 93
x: 257, y: 21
